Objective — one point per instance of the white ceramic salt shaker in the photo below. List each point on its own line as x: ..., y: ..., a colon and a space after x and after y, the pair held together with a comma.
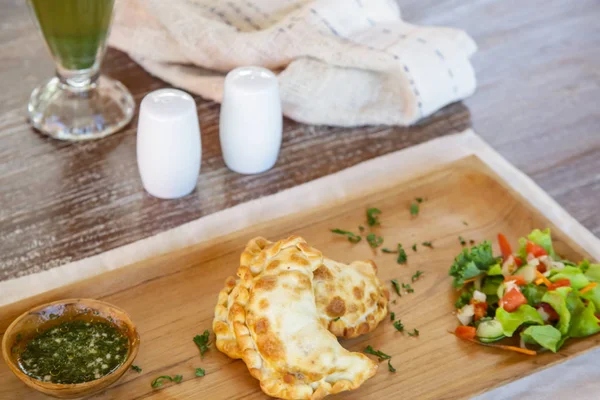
x: 251, y: 120
x: 168, y: 143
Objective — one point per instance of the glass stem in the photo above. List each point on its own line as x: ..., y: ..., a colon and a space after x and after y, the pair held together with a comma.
x: 78, y: 80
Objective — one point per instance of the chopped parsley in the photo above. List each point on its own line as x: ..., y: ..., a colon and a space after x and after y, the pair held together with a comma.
x: 202, y: 341
x: 399, y: 326
x: 419, y: 199
x: 401, y: 255
x: 382, y: 356
x: 394, y: 301
x: 416, y: 276
x: 471, y: 242
x: 336, y: 319
x: 136, y: 369
x: 390, y: 251
x: 361, y: 228
x: 374, y: 240
x: 352, y: 238
x: 390, y: 367
x: 396, y: 286
x: 200, y: 372
x: 414, y: 247
x: 414, y: 333
x: 392, y: 316
x: 408, y: 288
x: 465, y: 223
x: 428, y: 244
x: 414, y: 209
x: 462, y: 241
x: 158, y: 382
x: 372, y: 219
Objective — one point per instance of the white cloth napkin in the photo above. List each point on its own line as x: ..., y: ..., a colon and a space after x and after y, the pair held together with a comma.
x: 340, y: 62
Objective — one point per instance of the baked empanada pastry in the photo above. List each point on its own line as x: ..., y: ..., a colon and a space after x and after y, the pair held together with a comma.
x: 350, y: 299
x: 280, y: 333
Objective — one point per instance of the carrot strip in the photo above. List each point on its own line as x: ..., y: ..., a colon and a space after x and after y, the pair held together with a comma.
x: 543, y: 278
x: 539, y: 281
x: 588, y: 287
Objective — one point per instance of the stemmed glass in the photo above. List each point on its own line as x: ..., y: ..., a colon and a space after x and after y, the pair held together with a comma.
x: 78, y: 103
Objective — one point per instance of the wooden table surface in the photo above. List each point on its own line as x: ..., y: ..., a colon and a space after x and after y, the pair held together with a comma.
x: 537, y: 103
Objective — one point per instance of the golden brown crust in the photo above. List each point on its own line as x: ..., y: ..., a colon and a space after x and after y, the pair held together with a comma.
x: 273, y: 341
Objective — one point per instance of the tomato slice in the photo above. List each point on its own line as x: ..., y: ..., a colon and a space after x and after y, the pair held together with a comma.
x: 560, y: 283
x: 480, y: 310
x: 519, y: 280
x: 466, y: 332
x: 552, y: 314
x: 518, y: 261
x: 504, y: 246
x: 542, y: 267
x: 535, y: 249
x: 512, y: 300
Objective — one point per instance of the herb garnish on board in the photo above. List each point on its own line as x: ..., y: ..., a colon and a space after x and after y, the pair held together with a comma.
x: 202, y: 341
x: 352, y: 238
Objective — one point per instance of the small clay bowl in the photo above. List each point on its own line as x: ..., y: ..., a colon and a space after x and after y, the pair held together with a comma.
x: 49, y: 315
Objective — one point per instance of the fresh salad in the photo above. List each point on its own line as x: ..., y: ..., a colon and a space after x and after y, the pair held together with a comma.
x: 532, y: 294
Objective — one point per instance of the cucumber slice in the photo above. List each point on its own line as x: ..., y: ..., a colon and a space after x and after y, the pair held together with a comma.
x: 527, y: 272
x: 486, y: 340
x: 490, y: 330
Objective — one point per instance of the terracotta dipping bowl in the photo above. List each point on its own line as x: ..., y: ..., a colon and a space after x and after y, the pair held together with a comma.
x: 46, y: 316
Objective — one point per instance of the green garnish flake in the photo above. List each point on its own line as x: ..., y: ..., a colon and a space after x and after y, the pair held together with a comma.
x: 416, y: 276
x: 390, y: 251
x: 414, y: 247
x: 352, y: 238
x: 372, y: 219
x: 462, y: 241
x: 53, y: 316
x: 202, y: 341
x: 414, y: 209
x: 396, y: 286
x: 394, y: 301
x: 382, y: 356
x: 419, y: 199
x: 336, y: 319
x: 390, y: 367
x: 361, y: 228
x: 401, y: 255
x: 18, y: 338
x: 392, y: 316
x: 465, y: 223
x: 408, y: 288
x: 374, y: 240
x: 472, y: 242
x: 200, y: 372
x: 158, y: 382
x: 399, y: 326
x: 414, y: 333
x: 136, y: 369
x: 428, y: 244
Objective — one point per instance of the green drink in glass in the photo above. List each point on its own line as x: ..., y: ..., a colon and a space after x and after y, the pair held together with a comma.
x: 78, y: 103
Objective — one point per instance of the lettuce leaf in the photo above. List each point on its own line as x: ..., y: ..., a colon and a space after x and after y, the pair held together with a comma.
x: 534, y: 293
x: 471, y: 263
x: 573, y: 274
x: 495, y: 269
x: 591, y: 271
x: 557, y: 300
x: 511, y: 321
x: 585, y: 323
x: 490, y: 285
x: 593, y: 296
x: 541, y: 238
x: 546, y: 336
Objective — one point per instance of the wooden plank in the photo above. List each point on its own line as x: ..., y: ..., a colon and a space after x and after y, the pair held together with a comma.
x: 536, y: 102
x: 171, y: 298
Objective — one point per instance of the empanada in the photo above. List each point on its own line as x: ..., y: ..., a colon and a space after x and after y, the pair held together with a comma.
x: 280, y: 333
x: 350, y: 299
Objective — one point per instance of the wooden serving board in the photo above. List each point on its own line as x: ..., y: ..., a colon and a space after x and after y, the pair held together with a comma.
x: 171, y: 298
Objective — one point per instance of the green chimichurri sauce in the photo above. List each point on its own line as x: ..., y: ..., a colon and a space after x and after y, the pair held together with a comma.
x: 74, y: 352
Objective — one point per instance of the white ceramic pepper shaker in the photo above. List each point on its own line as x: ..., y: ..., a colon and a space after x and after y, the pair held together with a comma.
x: 168, y: 143
x: 251, y: 120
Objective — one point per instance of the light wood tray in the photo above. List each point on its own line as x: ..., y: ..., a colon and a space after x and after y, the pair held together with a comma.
x: 171, y: 298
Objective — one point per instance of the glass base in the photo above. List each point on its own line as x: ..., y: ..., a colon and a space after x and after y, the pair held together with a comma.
x: 68, y: 113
